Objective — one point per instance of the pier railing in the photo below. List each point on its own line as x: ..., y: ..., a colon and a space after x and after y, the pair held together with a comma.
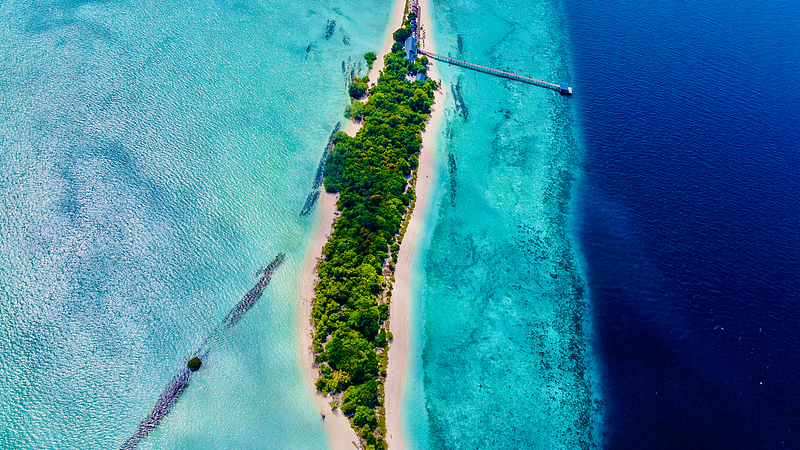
x: 562, y: 88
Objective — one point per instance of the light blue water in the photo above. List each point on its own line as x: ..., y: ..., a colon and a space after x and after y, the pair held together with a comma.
x: 154, y: 157
x: 501, y: 311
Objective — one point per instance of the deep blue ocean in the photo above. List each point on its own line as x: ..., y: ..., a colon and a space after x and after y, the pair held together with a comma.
x: 688, y: 217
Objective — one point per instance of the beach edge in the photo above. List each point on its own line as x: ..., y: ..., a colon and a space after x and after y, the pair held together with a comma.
x: 399, y: 308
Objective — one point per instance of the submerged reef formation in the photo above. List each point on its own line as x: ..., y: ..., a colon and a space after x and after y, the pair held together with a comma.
x: 313, y: 196
x: 180, y: 382
x: 371, y: 173
x: 163, y: 406
x: 252, y: 297
x: 329, y: 29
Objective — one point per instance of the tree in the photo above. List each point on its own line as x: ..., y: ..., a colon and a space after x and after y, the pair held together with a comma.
x: 357, y: 88
x: 370, y: 57
x: 365, y: 416
x: 194, y: 364
x: 354, y: 110
x: 402, y: 34
x: 363, y: 395
x: 420, y: 102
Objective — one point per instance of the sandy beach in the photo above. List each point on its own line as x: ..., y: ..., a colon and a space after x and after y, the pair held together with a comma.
x: 340, y: 435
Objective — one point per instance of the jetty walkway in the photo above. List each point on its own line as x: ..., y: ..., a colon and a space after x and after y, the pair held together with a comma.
x: 562, y: 88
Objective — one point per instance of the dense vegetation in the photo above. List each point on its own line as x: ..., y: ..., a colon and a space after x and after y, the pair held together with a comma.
x: 354, y: 110
x: 371, y: 173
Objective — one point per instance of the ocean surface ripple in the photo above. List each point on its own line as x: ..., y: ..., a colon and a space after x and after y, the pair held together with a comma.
x: 154, y: 155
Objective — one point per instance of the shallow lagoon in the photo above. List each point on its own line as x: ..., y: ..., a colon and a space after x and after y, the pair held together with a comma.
x: 155, y: 158
x: 502, y: 315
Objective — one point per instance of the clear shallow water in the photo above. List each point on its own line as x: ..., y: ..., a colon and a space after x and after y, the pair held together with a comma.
x: 689, y: 218
x: 500, y: 307
x: 155, y: 156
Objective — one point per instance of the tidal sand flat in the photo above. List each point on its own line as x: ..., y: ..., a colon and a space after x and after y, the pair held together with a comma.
x: 155, y: 157
x: 500, y: 358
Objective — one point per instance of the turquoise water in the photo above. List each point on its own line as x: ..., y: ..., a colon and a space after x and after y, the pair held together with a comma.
x: 501, y: 314
x: 155, y: 156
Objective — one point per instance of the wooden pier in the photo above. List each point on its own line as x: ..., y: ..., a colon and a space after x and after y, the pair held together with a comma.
x: 562, y: 88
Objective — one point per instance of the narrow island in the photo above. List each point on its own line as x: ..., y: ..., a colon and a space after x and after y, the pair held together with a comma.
x: 373, y: 173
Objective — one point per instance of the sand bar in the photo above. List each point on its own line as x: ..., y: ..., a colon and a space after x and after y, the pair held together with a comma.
x: 340, y: 435
x: 339, y: 432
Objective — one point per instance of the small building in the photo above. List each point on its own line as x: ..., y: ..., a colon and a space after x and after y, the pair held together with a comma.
x: 411, y: 48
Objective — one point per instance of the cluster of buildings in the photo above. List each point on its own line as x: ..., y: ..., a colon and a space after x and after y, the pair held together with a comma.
x: 411, y: 41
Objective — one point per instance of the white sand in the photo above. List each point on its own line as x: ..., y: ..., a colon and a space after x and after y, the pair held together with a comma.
x: 340, y: 435
x: 398, y: 311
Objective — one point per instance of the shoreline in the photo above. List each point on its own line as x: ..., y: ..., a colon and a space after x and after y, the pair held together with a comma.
x: 396, y: 374
x: 340, y: 434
